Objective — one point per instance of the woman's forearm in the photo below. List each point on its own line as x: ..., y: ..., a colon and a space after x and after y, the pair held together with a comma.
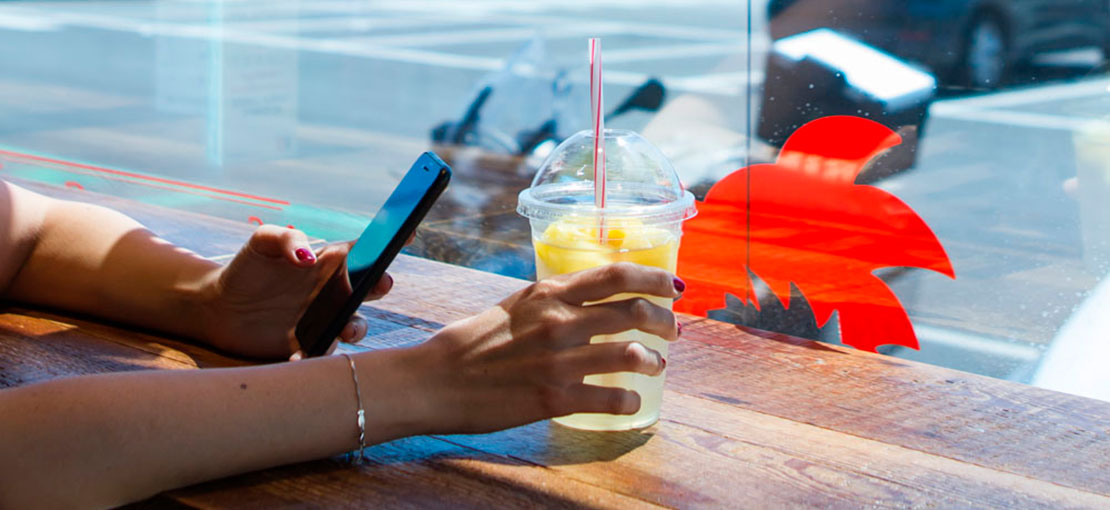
x: 94, y: 260
x: 103, y: 440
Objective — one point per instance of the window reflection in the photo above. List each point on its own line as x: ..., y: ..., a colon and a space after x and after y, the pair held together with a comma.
x: 306, y: 113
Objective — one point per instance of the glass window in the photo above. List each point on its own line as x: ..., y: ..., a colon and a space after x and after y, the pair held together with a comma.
x: 948, y: 158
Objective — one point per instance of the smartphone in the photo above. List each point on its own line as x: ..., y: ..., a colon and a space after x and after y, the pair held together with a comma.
x: 379, y: 244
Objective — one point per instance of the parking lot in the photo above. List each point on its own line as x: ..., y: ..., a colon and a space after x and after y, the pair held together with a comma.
x: 303, y: 112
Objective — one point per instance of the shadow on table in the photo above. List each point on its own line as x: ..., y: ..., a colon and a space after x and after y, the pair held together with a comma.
x: 51, y: 346
x: 549, y: 444
x: 571, y: 446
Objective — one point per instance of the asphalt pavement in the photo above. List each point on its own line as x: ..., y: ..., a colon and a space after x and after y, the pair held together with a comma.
x: 306, y: 111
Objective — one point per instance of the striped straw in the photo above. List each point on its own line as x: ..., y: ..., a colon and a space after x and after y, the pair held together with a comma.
x: 598, y: 115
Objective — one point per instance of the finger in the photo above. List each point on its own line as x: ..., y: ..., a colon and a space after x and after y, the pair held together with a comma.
x: 358, y: 328
x: 587, y: 398
x: 384, y: 285
x: 617, y: 316
x: 602, y: 282
x: 348, y: 332
x: 412, y: 237
x: 607, y: 358
x: 278, y: 242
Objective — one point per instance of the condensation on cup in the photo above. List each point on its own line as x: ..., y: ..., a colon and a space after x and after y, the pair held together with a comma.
x: 641, y: 223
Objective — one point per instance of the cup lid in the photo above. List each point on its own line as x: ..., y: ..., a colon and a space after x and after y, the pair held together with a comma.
x: 640, y: 182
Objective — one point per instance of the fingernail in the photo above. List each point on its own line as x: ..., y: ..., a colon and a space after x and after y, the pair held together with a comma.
x: 679, y: 285
x: 679, y: 328
x: 663, y: 363
x: 305, y: 255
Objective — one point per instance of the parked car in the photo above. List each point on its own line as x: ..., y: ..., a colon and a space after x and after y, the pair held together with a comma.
x: 973, y: 43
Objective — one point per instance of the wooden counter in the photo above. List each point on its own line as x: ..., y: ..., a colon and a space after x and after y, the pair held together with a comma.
x: 750, y: 419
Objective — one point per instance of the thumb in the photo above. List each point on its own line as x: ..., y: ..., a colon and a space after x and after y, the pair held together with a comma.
x: 272, y: 241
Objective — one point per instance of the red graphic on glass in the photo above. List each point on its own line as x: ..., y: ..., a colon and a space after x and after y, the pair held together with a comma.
x: 811, y: 225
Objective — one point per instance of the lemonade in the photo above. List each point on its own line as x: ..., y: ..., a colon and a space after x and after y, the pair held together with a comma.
x: 575, y: 243
x: 639, y: 221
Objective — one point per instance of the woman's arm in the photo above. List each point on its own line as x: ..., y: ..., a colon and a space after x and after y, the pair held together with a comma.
x: 100, y: 441
x: 97, y: 261
x: 94, y: 260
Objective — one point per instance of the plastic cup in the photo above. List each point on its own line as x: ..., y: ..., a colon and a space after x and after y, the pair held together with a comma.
x: 641, y: 223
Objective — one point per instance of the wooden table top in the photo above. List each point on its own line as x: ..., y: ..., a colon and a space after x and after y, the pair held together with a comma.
x: 749, y: 419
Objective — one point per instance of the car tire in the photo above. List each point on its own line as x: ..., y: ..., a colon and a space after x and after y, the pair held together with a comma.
x: 985, y: 59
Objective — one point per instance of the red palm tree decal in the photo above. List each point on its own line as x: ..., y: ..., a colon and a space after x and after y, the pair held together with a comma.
x: 803, y: 220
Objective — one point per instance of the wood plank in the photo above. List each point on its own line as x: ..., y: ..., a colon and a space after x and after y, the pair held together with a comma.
x: 780, y: 420
x: 962, y: 416
x: 709, y: 454
x: 954, y: 414
x: 729, y: 452
x: 33, y: 350
x: 417, y: 472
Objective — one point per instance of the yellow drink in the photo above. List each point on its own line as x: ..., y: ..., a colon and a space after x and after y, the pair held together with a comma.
x: 574, y: 244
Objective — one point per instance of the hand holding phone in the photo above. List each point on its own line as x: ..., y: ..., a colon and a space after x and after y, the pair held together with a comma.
x: 379, y: 244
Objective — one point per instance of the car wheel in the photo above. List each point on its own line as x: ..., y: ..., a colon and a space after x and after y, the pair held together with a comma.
x: 985, y: 60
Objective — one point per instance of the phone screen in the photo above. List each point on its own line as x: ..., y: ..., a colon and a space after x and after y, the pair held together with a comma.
x: 329, y: 311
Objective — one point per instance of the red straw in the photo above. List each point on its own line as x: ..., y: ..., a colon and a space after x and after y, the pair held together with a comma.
x: 597, y: 112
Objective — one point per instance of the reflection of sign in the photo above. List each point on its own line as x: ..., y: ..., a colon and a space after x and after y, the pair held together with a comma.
x: 803, y: 220
x: 246, y: 93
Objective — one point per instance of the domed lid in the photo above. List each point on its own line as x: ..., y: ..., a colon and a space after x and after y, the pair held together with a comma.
x: 640, y: 181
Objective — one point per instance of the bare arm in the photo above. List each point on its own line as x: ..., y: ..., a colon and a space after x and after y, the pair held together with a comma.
x: 94, y: 260
x: 90, y: 259
x: 101, y: 441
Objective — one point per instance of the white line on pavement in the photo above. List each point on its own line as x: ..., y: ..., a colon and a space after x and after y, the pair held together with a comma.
x: 723, y: 83
x: 1015, y: 118
x: 682, y: 51
x: 340, y: 24
x: 1038, y: 94
x: 443, y: 38
x: 26, y: 23
x: 993, y: 347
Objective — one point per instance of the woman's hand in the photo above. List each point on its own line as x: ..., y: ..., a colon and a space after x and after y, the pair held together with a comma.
x: 524, y: 360
x: 254, y: 302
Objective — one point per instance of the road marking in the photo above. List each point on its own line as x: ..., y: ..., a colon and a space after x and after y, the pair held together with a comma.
x: 724, y: 83
x: 989, y: 108
x: 672, y: 51
x: 728, y: 84
x: 1037, y: 94
x: 1015, y: 118
x: 993, y: 347
x: 635, y: 28
x: 442, y: 38
x: 341, y: 24
x: 504, y: 12
x: 26, y: 23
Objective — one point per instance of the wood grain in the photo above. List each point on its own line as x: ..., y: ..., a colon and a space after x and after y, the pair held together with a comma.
x: 921, y: 407
x: 750, y: 419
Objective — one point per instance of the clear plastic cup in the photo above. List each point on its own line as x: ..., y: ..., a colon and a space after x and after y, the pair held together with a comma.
x: 641, y: 223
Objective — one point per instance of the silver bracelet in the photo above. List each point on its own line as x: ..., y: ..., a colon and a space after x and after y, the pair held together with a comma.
x: 361, y: 414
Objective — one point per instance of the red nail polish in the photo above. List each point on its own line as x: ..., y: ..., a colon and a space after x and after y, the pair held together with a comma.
x: 679, y: 285
x: 304, y: 255
x: 663, y: 362
x: 679, y: 328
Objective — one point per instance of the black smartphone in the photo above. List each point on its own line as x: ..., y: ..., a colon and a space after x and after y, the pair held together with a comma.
x: 375, y: 249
